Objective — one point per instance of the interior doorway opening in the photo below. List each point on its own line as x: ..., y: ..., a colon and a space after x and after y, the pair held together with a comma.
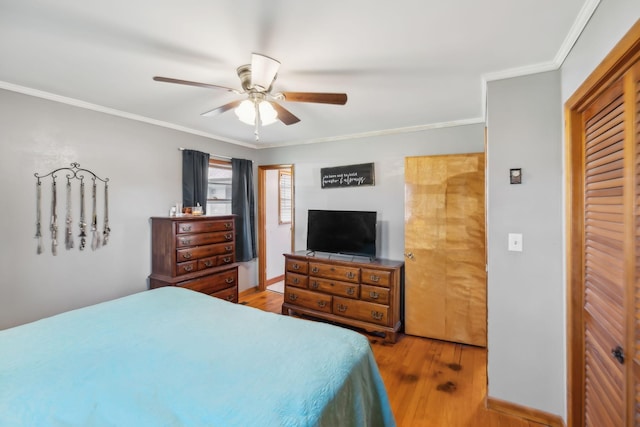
x: 276, y: 218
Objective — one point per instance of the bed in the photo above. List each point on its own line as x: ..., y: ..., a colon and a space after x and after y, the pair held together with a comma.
x: 174, y: 357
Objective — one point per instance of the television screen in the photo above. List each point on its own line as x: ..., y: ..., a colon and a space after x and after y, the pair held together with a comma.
x: 342, y: 232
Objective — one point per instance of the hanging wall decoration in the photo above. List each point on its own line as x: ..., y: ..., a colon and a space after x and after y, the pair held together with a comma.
x: 347, y: 176
x: 73, y: 173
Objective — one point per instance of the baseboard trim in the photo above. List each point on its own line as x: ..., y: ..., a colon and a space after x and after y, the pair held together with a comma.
x: 524, y: 412
x: 275, y: 280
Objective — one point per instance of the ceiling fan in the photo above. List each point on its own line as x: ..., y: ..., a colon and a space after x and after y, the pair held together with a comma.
x: 260, y: 107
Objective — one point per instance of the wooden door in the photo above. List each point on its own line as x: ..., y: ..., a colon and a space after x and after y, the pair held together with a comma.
x: 603, y: 195
x: 445, y: 266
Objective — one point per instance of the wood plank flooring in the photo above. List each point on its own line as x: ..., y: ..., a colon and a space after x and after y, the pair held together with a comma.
x: 430, y: 383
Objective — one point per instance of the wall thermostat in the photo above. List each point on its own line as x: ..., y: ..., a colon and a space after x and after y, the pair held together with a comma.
x: 515, y: 176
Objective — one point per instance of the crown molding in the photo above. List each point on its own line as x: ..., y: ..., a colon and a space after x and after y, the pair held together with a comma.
x: 373, y: 134
x: 113, y: 112
x: 581, y: 21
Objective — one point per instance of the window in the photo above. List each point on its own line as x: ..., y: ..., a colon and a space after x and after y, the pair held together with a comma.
x: 284, y: 196
x: 219, y: 189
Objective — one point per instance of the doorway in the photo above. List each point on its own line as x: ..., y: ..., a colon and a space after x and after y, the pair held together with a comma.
x: 275, y: 222
x: 603, y: 142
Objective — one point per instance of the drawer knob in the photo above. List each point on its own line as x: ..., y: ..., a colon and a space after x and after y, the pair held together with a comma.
x: 374, y: 295
x: 188, y: 267
x: 185, y: 241
x: 226, y: 260
x: 351, y: 291
x: 342, y: 308
x: 375, y: 278
x: 315, y: 269
x: 314, y: 285
x: 186, y: 228
x: 228, y: 236
x: 296, y: 266
x: 228, y: 225
x: 377, y: 315
x: 296, y: 281
x: 229, y: 297
x: 187, y: 255
x: 322, y: 304
x: 350, y: 275
x: 229, y: 280
x: 228, y: 248
x: 293, y: 297
x: 208, y: 263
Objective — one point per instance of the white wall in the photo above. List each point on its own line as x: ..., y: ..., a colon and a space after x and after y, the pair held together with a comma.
x: 144, y: 166
x: 525, y: 289
x: 610, y: 22
x: 278, y: 235
x: 387, y: 195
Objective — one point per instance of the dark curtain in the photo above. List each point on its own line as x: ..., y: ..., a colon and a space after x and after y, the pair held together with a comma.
x: 195, y: 178
x: 243, y: 205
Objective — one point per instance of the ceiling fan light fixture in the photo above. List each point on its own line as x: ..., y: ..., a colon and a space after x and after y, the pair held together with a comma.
x: 246, y: 112
x: 263, y: 71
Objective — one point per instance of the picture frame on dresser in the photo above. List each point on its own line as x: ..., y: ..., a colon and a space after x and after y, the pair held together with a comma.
x: 195, y: 252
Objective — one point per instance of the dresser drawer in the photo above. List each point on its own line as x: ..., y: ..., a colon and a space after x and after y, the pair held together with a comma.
x: 186, y: 267
x: 297, y: 280
x: 203, y: 226
x: 303, y: 298
x: 188, y: 254
x: 209, y: 262
x: 226, y: 259
x: 213, y: 283
x: 295, y: 266
x: 361, y: 310
x: 374, y: 294
x: 376, y: 277
x: 183, y: 240
x: 338, y: 272
x: 334, y: 287
x: 229, y: 294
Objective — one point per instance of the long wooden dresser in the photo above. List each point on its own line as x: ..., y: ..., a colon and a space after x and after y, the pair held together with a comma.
x: 359, y: 293
x: 195, y: 252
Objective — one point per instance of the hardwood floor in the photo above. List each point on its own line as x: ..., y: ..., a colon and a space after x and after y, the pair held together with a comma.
x: 430, y: 383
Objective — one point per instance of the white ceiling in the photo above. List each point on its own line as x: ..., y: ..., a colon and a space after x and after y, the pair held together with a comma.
x: 405, y: 64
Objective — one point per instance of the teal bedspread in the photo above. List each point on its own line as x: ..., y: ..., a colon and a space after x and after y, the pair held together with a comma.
x: 173, y: 357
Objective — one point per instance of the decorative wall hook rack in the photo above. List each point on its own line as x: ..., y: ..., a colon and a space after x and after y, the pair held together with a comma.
x: 74, y: 172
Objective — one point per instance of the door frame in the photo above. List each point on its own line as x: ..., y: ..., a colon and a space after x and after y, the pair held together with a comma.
x: 614, y: 65
x: 262, y: 234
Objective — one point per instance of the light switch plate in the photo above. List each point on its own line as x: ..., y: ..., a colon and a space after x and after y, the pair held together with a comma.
x: 515, y: 242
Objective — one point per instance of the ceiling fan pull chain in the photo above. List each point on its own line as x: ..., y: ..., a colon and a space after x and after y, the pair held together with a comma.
x: 256, y: 131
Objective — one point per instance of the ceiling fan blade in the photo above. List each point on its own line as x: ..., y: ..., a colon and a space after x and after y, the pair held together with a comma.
x: 189, y: 83
x: 321, y: 98
x: 221, y: 109
x: 284, y: 115
x: 263, y: 71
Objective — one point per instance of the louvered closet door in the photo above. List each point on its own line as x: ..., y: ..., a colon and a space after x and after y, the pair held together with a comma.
x: 604, y: 269
x: 603, y: 252
x: 611, y: 289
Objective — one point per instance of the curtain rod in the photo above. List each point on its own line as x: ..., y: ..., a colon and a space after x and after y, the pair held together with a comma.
x: 211, y: 155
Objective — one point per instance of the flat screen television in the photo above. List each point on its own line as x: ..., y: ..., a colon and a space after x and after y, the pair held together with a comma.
x: 342, y: 232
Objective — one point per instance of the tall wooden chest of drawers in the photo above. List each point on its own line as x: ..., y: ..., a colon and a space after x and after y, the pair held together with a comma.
x: 195, y: 252
x: 363, y: 294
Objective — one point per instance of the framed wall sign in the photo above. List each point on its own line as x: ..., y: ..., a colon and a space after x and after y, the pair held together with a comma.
x: 348, y: 176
